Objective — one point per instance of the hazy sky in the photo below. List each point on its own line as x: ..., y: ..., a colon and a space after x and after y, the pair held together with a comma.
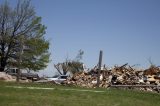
x: 128, y: 31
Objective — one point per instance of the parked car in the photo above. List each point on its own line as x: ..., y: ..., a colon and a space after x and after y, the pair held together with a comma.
x: 58, y: 79
x: 14, y: 71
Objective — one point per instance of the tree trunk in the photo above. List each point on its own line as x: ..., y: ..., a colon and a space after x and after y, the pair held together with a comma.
x: 2, y: 67
x: 2, y: 64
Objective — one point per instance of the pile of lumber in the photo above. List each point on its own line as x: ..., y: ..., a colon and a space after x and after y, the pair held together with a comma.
x: 119, y: 76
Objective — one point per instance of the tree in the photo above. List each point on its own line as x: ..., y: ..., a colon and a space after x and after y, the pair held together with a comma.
x: 72, y: 66
x: 76, y: 65
x: 20, y: 28
x: 36, y: 54
x: 62, y: 68
x: 79, y: 55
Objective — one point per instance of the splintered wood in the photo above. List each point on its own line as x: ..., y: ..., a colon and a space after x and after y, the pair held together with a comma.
x: 119, y: 75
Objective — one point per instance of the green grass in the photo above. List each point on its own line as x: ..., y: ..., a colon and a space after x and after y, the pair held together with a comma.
x: 32, y: 97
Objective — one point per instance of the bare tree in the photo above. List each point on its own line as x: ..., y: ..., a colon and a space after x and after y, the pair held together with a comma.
x: 62, y: 68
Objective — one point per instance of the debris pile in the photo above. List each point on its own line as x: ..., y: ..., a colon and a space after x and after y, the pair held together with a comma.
x: 119, y: 76
x: 6, y: 77
x: 83, y: 79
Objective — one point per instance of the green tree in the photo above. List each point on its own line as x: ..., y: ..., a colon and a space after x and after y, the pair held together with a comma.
x: 76, y: 65
x: 72, y: 66
x: 22, y: 34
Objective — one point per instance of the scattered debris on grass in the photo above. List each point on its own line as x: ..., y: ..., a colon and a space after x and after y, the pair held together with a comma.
x: 123, y: 76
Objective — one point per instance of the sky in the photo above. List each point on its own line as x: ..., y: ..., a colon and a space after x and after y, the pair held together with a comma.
x: 127, y: 31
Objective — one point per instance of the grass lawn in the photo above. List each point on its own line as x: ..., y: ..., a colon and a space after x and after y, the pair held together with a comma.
x: 10, y: 96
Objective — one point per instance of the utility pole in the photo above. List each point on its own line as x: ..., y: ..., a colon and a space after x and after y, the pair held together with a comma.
x: 99, y: 67
x: 20, y: 58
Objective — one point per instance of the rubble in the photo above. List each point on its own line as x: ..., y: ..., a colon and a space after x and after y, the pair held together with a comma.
x: 124, y: 76
x: 6, y: 77
x: 146, y: 80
